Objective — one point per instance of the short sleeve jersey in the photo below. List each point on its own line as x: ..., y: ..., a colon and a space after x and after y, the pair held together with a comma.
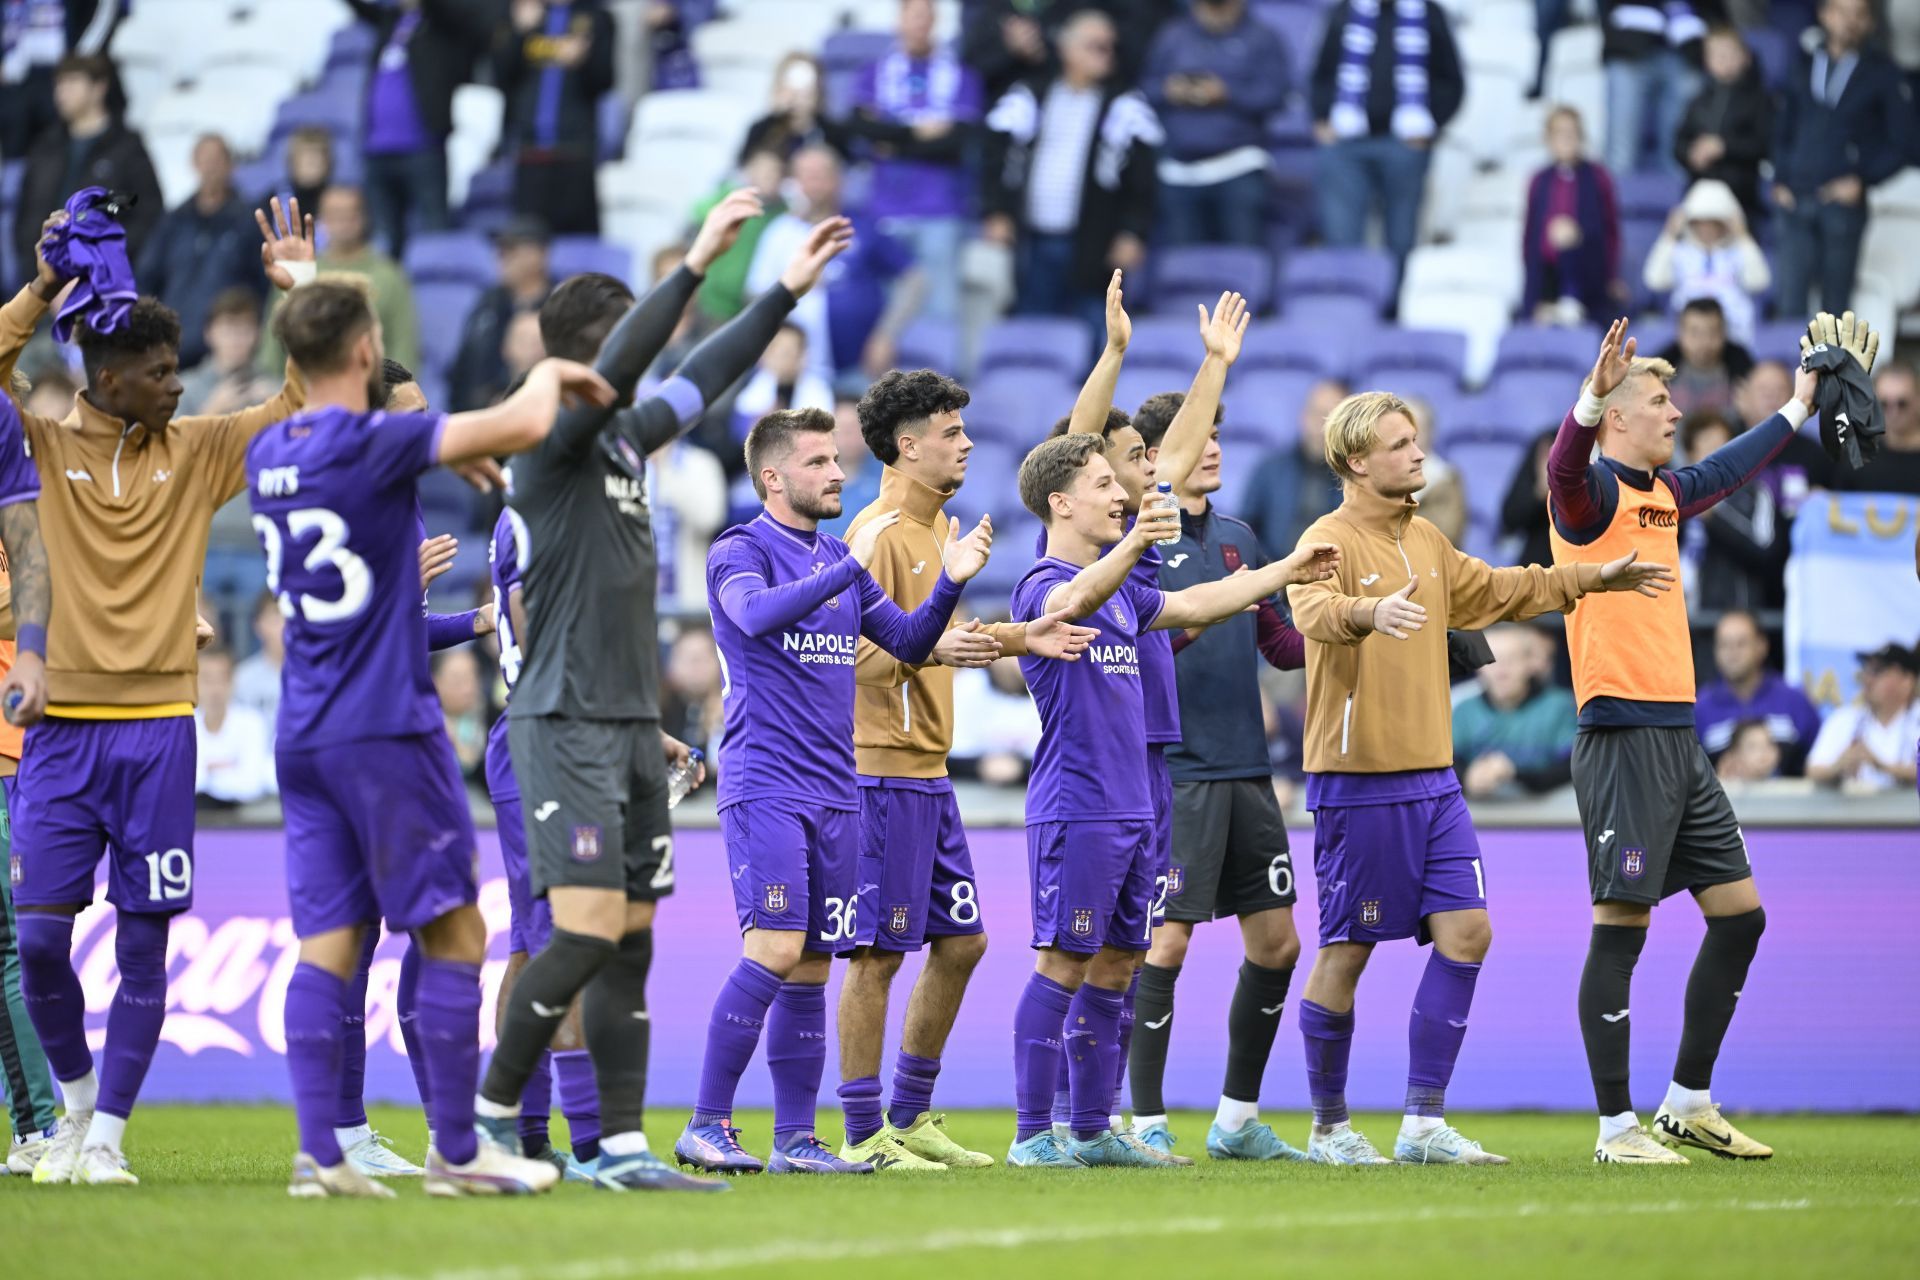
x: 333, y: 495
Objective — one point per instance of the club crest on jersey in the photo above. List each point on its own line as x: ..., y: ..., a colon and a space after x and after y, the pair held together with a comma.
x: 1231, y: 555
x: 776, y: 897
x: 1370, y: 911
x: 1082, y: 921
x: 1633, y: 863
x: 897, y: 919
x: 586, y: 843
x: 833, y: 602
x: 1119, y: 614
x: 1176, y: 881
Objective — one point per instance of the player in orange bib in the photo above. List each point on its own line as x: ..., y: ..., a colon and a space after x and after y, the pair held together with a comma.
x: 1655, y: 816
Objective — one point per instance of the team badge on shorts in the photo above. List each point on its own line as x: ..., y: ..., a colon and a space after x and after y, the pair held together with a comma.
x: 14, y: 873
x: 1370, y: 911
x: 586, y: 843
x: 1633, y: 863
x: 776, y: 897
x: 1176, y: 880
x: 1082, y: 921
x: 897, y: 919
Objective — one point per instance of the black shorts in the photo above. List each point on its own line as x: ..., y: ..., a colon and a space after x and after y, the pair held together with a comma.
x: 594, y: 793
x: 1230, y: 853
x: 1657, y: 820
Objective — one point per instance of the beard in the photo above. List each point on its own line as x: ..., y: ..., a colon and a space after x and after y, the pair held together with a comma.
x: 825, y: 506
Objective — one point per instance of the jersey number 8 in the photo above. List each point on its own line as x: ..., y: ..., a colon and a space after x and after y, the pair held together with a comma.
x: 356, y: 579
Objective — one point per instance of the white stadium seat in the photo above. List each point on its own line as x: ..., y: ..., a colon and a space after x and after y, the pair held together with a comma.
x: 1480, y: 317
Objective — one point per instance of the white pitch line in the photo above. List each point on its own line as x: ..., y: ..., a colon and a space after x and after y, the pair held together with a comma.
x: 831, y: 1251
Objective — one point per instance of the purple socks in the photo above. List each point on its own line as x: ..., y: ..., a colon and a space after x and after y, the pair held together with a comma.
x: 449, y: 1022
x: 1091, y: 1040
x: 316, y: 1003
x: 1037, y: 1021
x: 56, y: 1003
x: 860, y: 1104
x: 536, y: 1106
x: 913, y: 1079
x: 1329, y: 1038
x: 797, y: 1057
x: 406, y: 1011
x: 1435, y: 1031
x: 139, y: 1009
x: 352, y: 1111
x: 733, y: 1031
x: 579, y: 1102
x: 1126, y: 1043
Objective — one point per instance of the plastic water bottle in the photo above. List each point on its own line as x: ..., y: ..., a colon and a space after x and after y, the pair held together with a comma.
x: 14, y: 698
x: 1163, y: 500
x: 683, y: 777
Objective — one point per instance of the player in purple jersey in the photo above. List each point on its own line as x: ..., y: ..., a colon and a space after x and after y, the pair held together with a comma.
x: 377, y: 820
x: 790, y: 605
x: 1090, y: 839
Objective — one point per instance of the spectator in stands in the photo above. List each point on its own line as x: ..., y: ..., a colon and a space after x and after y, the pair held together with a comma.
x: 1008, y: 41
x: 1523, y: 512
x: 345, y: 247
x: 1070, y: 176
x: 479, y: 374
x: 309, y: 169
x: 36, y: 36
x: 425, y: 50
x: 1444, y: 500
x: 1896, y: 467
x: 691, y: 683
x: 793, y: 118
x: 1803, y: 465
x: 1516, y: 730
x: 917, y: 108
x: 1706, y: 363
x: 1387, y: 81
x: 1869, y: 743
x: 521, y: 346
x: 1738, y: 547
x: 688, y: 489
x: 669, y: 49
x: 1214, y: 76
x: 203, y: 248
x: 995, y: 741
x: 228, y: 379
x: 256, y: 680
x: 1571, y: 240
x: 1751, y: 756
x: 722, y: 294
x: 784, y: 379
x: 1844, y: 124
x: 1651, y: 54
x: 89, y: 147
x: 1728, y: 127
x: 463, y: 707
x: 553, y: 60
x: 1706, y: 251
x: 234, y: 761
x: 862, y: 485
x: 1291, y: 488
x: 1749, y: 692
x: 874, y: 290
x: 52, y: 397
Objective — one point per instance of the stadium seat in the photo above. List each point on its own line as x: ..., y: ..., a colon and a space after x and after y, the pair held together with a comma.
x: 1488, y: 271
x: 854, y: 50
x: 1528, y: 346
x: 1035, y: 342
x: 1486, y: 461
x: 1021, y: 402
x: 1636, y: 240
x: 352, y: 46
x: 1778, y: 340
x: 445, y: 303
x: 1137, y: 386
x: 1298, y: 345
x: 1425, y: 349
x: 1360, y: 273
x: 1774, y: 52
x: 1478, y: 317
x: 1534, y: 398
x: 928, y: 343
x: 1188, y: 274
x: 1652, y: 335
x: 576, y: 255
x: 1167, y: 342
x: 457, y: 257
x: 1649, y: 196
x: 1301, y: 25
x: 323, y: 108
x: 992, y: 488
x: 1266, y: 404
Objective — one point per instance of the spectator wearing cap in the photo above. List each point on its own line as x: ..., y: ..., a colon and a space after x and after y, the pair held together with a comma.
x: 1844, y: 122
x: 1214, y: 75
x: 202, y: 249
x: 916, y: 108
x: 1707, y: 364
x: 1651, y: 55
x: 1070, y: 175
x: 1748, y: 691
x: 1387, y: 81
x: 1571, y: 241
x: 1736, y: 549
x: 1728, y: 127
x: 424, y: 51
x: 1895, y: 468
x: 1706, y: 251
x: 479, y: 372
x: 345, y: 247
x: 1869, y: 744
x: 553, y: 59
x: 90, y: 146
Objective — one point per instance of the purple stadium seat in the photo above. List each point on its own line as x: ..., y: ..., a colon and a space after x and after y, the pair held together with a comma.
x: 1138, y: 385
x: 1486, y: 462
x: 1426, y: 350
x: 1267, y: 404
x: 1165, y: 342
x: 1300, y: 24
x: 444, y: 304
x: 1301, y: 345
x: 1649, y: 195
x: 613, y: 120
x: 1035, y: 342
x: 1199, y: 273
x: 1544, y: 347
x: 489, y: 197
x: 1364, y: 273
x: 1653, y: 335
x: 457, y: 257
x: 1778, y: 340
x: 1534, y: 399
x: 1017, y: 404
x: 1636, y: 239
x: 1775, y: 53
x: 576, y: 255
x: 1348, y: 317
x: 991, y: 487
x: 929, y: 344
x: 447, y: 503
x: 352, y: 46
x: 330, y: 108
x: 853, y: 50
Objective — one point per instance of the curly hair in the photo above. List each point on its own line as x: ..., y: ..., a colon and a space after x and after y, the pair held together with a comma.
x: 901, y: 401
x: 1117, y: 420
x: 1156, y: 414
x: 150, y: 324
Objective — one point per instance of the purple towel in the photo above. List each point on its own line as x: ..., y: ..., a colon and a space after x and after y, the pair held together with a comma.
x: 91, y: 247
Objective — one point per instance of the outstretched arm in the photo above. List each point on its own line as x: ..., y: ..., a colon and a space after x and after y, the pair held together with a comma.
x: 1209, y: 602
x: 524, y: 418
x: 1096, y: 396
x: 1082, y: 595
x: 1186, y: 437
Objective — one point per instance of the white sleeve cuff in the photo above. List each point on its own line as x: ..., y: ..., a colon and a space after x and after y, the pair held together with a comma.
x: 1795, y: 413
x: 302, y: 272
x: 1587, y: 412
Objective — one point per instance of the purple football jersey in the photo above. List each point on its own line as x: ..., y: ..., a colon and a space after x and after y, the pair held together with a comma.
x: 334, y: 497
x: 506, y: 560
x: 19, y: 478
x: 1158, y: 687
x: 1092, y: 761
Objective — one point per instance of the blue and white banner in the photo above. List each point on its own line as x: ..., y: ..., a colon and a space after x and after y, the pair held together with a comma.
x: 1851, y: 587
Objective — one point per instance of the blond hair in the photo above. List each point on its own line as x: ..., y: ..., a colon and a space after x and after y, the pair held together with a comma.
x: 1353, y: 428
x: 1641, y: 367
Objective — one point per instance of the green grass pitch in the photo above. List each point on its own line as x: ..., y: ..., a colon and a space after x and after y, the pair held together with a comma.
x: 1841, y: 1199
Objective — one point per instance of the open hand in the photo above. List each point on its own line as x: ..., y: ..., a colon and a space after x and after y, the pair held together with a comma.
x: 866, y: 539
x: 1119, y: 323
x: 1226, y: 328
x: 1615, y: 362
x: 1397, y: 615
x: 968, y: 645
x: 1055, y: 635
x: 964, y: 557
x: 577, y: 383
x: 1312, y: 562
x: 288, y: 238
x: 828, y: 241
x: 1628, y: 574
x: 722, y: 228
x: 436, y: 557
x: 483, y: 474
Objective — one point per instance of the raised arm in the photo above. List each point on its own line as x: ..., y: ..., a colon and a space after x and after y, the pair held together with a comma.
x: 1703, y: 484
x: 1187, y: 434
x: 1582, y: 503
x: 1209, y: 602
x: 1090, y: 409
x: 1083, y: 594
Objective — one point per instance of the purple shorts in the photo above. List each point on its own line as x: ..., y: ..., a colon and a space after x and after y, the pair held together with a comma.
x: 377, y: 829
x: 916, y: 872
x: 794, y: 869
x: 1382, y: 869
x: 1160, y: 785
x: 530, y: 919
x: 119, y: 787
x: 1092, y: 884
